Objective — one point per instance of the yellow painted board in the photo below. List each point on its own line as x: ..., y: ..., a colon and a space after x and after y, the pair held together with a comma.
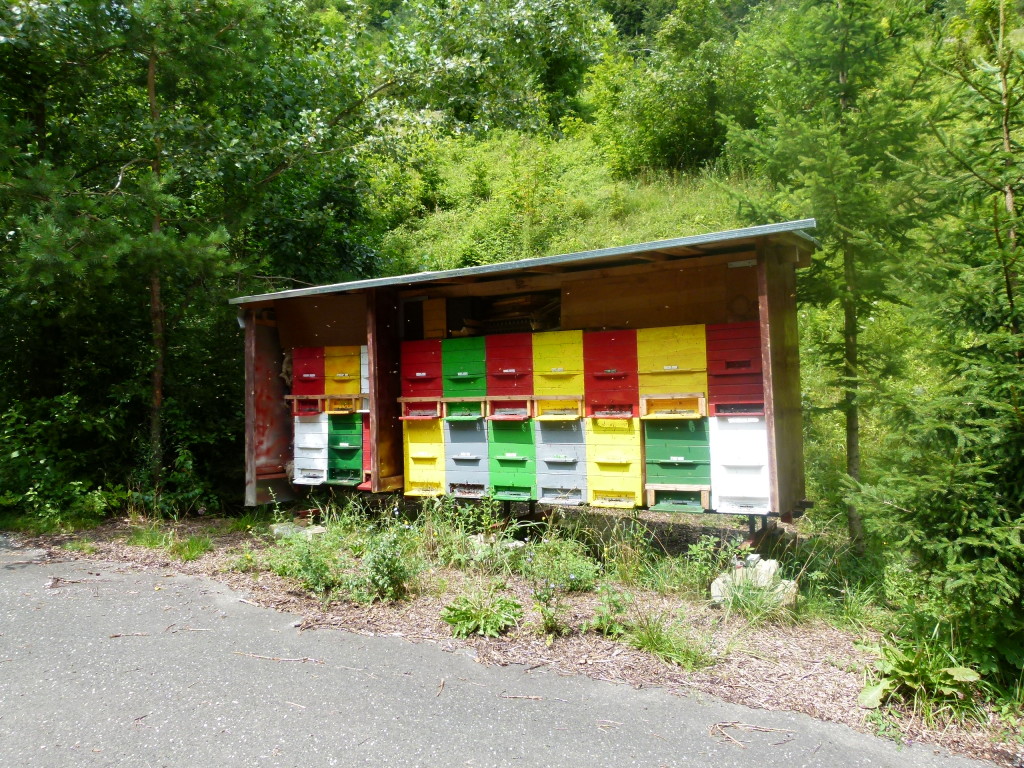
x: 678, y: 335
x: 424, y: 457
x: 609, y: 495
x: 673, y: 382
x: 614, y: 462
x: 558, y: 363
x: 679, y: 348
x: 619, y: 432
x: 341, y: 370
x: 558, y: 339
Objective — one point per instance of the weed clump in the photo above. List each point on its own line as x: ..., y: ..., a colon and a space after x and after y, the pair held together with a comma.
x: 482, y: 612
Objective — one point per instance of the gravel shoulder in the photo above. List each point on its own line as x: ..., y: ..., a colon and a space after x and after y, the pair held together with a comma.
x: 810, y: 669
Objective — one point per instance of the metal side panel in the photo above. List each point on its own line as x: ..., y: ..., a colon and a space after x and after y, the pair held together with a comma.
x: 268, y: 421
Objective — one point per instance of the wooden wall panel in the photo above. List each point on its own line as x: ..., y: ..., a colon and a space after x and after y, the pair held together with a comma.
x: 383, y: 339
x: 321, y: 321
x: 781, y: 360
x: 682, y: 296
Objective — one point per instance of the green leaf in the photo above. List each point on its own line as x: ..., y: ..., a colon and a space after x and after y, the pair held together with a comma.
x: 962, y: 674
x: 873, y: 695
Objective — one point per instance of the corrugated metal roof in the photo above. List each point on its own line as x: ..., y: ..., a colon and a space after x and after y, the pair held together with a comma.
x: 697, y: 243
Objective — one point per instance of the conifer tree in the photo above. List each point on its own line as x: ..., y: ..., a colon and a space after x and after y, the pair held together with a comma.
x: 827, y: 140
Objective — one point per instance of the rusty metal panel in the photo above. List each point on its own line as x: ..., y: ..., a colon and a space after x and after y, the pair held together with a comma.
x: 268, y: 433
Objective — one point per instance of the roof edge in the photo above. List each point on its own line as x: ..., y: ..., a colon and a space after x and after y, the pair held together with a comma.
x: 795, y: 227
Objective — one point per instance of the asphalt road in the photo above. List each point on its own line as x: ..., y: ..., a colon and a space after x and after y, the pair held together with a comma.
x: 108, y: 666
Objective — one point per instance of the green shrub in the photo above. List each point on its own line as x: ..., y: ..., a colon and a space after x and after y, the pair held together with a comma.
x: 547, y: 599
x: 482, y: 612
x: 41, y: 485
x: 610, y: 615
x: 627, y: 552
x: 314, y: 563
x: 386, y: 569
x: 706, y: 560
x: 151, y: 536
x: 190, y: 549
x: 561, y: 563
x: 246, y: 561
x: 924, y: 673
x: 85, y: 546
x: 758, y: 604
x: 653, y: 633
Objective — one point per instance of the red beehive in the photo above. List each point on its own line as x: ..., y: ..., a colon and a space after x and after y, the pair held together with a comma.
x: 610, y: 381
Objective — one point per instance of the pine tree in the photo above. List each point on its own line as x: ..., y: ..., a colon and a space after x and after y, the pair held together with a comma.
x: 827, y: 140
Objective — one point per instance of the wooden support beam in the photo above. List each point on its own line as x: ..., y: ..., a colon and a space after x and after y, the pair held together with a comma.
x: 527, y: 284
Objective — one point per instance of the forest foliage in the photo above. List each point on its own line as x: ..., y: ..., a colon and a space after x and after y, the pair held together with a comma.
x: 158, y: 158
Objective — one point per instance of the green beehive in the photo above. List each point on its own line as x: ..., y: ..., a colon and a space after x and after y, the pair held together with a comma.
x: 512, y: 460
x: 463, y: 367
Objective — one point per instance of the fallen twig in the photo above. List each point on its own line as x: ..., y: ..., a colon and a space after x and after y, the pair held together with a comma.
x: 300, y: 706
x: 276, y: 658
x: 440, y: 688
x: 130, y: 634
x: 56, y: 581
x: 718, y: 729
x: 503, y: 695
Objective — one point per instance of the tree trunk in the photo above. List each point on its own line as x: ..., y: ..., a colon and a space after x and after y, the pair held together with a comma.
x: 156, y: 309
x: 851, y: 409
x: 1006, y: 57
x: 156, y: 317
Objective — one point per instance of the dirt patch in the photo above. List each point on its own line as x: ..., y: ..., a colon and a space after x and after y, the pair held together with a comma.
x: 810, y: 667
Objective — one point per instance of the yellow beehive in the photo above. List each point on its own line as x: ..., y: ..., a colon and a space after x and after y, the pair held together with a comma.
x: 341, y: 370
x: 672, y: 360
x: 614, y: 462
x: 558, y: 363
x: 424, y: 457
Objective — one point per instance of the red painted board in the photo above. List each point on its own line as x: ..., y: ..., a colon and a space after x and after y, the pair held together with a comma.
x: 509, y: 362
x: 610, y: 345
x: 739, y: 363
x: 421, y: 368
x: 726, y: 331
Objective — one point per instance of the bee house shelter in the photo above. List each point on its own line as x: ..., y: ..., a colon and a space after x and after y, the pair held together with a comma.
x: 662, y: 375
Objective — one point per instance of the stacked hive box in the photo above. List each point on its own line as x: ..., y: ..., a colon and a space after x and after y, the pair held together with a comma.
x: 678, y: 464
x: 739, y: 433
x: 422, y: 388
x: 311, y: 435
x: 512, y: 460
x: 612, y: 405
x: 614, y: 462
x: 673, y: 391
x: 558, y: 375
x: 345, y: 448
x: 509, y: 375
x: 569, y: 417
x: 561, y: 461
x: 466, y: 451
x: 307, y: 380
x: 735, y: 383
x: 329, y: 385
x: 740, y: 483
x: 610, y: 374
x: 424, y: 457
x: 465, y: 438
